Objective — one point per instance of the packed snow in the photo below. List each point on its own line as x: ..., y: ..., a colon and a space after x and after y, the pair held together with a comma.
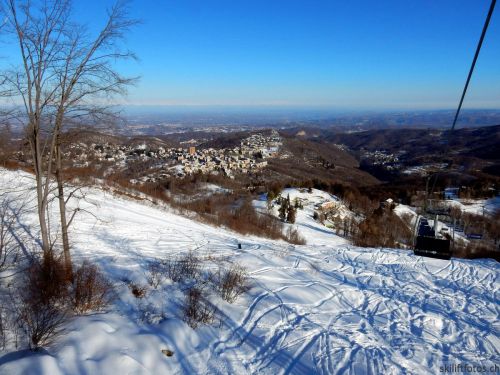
x: 326, y: 307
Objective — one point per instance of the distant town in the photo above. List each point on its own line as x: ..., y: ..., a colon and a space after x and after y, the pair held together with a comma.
x: 250, y: 156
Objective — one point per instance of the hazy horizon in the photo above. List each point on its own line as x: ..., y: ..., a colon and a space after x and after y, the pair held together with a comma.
x: 306, y: 116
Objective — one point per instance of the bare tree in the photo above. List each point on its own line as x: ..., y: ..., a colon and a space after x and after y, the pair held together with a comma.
x: 86, y: 77
x: 37, y: 31
x: 66, y: 75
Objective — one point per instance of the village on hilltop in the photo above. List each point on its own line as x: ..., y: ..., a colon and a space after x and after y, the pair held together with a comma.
x: 249, y: 156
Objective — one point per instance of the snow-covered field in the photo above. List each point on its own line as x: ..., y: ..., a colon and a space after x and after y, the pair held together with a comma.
x: 325, y: 307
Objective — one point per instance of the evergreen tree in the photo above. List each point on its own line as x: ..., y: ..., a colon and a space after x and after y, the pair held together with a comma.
x: 291, y: 215
x: 283, y: 209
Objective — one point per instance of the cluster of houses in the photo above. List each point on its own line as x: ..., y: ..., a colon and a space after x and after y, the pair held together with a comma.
x: 380, y: 157
x: 218, y: 160
x: 250, y: 156
x: 266, y: 147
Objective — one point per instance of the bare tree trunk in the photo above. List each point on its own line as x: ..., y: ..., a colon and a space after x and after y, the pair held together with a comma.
x: 62, y: 211
x: 41, y: 197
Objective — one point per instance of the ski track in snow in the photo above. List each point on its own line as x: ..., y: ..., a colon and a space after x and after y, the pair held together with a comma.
x: 318, y: 308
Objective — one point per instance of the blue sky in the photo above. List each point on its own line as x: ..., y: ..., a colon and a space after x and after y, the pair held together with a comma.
x: 411, y: 54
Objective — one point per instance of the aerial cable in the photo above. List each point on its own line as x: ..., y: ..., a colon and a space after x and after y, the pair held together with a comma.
x: 473, y: 65
x: 471, y: 70
x: 480, y: 43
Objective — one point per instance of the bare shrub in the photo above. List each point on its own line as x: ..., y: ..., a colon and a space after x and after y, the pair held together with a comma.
x: 42, y: 322
x: 293, y: 236
x: 184, y: 268
x: 236, y: 212
x: 190, y: 265
x: 91, y: 289
x: 46, y: 280
x: 172, y: 269
x: 43, y: 302
x: 197, y: 310
x: 155, y: 273
x: 231, y: 283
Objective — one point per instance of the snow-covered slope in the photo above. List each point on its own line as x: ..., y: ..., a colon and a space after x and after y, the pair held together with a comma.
x: 313, y: 231
x: 476, y: 206
x: 325, y: 307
